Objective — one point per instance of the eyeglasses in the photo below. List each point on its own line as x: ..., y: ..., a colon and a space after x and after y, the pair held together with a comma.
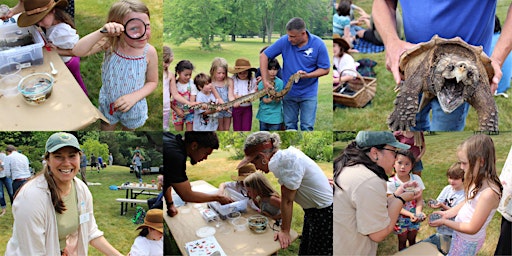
x: 392, y: 150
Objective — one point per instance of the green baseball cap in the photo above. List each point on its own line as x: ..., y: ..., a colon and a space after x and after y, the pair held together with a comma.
x: 59, y: 140
x: 374, y: 138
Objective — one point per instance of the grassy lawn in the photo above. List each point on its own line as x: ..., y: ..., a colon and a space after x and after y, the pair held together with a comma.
x: 119, y: 230
x: 374, y: 116
x: 441, y: 153
x: 250, y: 48
x: 92, y: 15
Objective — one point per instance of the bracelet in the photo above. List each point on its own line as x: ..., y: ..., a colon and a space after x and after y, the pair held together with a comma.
x: 399, y: 197
x: 172, y: 202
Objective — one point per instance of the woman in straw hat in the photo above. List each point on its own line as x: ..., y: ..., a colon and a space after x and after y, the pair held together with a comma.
x: 302, y: 181
x: 244, y: 83
x: 150, y: 242
x: 53, y: 212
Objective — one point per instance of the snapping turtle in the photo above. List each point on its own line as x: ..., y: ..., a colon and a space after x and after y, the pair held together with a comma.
x: 451, y: 70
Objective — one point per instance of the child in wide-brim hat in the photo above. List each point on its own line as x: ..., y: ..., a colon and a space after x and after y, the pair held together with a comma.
x: 149, y: 241
x: 241, y: 64
x: 244, y: 83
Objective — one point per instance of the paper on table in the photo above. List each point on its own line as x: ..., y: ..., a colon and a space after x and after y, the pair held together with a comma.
x: 207, y: 246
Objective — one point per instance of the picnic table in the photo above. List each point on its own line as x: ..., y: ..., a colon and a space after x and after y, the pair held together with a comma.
x: 183, y: 228
x: 132, y: 191
x: 67, y: 109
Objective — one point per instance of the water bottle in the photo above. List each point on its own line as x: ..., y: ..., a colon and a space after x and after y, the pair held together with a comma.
x: 140, y: 182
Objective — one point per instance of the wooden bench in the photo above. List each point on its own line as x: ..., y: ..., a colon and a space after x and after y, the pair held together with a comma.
x: 125, y: 201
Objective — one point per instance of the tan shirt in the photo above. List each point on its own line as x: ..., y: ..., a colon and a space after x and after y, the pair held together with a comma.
x: 359, y: 209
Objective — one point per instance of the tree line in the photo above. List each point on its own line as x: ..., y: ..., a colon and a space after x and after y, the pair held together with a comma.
x: 206, y: 19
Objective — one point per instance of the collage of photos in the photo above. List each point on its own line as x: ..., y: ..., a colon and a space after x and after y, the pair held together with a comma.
x: 182, y: 127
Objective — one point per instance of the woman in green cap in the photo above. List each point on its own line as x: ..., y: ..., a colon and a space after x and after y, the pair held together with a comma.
x: 53, y: 212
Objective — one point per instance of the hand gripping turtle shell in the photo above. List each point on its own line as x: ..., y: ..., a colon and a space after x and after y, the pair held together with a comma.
x: 451, y: 70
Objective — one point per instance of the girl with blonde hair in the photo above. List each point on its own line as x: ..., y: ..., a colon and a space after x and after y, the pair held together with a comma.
x: 263, y: 195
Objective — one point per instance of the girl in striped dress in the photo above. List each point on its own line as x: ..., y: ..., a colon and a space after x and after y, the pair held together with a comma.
x: 130, y: 66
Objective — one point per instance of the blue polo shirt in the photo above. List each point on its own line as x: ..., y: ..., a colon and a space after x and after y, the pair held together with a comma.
x: 471, y: 20
x: 308, y: 58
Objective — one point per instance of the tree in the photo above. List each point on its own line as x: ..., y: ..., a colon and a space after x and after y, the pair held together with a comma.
x: 184, y: 19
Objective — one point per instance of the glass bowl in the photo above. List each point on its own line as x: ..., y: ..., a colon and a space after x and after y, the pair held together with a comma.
x: 258, y: 223
x: 36, y: 88
x: 233, y: 216
x: 9, y: 85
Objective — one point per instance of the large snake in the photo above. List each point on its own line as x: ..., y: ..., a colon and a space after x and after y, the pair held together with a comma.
x: 249, y: 97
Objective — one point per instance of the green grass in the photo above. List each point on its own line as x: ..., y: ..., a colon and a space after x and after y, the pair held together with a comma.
x: 440, y: 153
x: 250, y: 48
x: 119, y: 230
x: 92, y: 15
x: 374, y: 116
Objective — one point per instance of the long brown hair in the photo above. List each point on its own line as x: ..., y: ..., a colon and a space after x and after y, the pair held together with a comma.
x: 260, y: 184
x: 480, y: 152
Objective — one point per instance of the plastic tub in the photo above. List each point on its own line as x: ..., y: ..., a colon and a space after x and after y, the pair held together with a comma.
x: 240, y: 224
x: 26, y: 55
x: 9, y: 85
x: 36, y: 88
x: 8, y: 69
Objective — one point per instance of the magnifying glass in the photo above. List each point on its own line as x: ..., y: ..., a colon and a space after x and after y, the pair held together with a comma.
x: 134, y: 28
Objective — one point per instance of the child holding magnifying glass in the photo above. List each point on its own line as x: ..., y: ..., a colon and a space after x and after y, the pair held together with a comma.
x: 130, y: 67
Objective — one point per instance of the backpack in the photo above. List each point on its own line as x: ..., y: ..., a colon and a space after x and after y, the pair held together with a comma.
x: 140, y: 213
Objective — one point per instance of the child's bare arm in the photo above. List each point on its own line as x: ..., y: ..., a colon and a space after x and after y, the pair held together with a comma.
x: 97, y: 41
x: 174, y: 91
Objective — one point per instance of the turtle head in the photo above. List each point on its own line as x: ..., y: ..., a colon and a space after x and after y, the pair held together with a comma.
x: 459, y: 75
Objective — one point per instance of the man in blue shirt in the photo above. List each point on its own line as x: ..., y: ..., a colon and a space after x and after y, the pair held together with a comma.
x: 302, y: 53
x: 472, y: 20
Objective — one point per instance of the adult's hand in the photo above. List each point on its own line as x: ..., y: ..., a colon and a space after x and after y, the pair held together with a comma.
x: 171, y: 210
x: 225, y: 200
x: 393, y: 52
x: 496, y: 65
x: 284, y: 239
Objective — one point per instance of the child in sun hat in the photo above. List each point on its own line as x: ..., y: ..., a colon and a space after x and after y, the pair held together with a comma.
x: 244, y: 82
x: 238, y: 180
x: 344, y: 66
x: 60, y: 32
x: 149, y: 241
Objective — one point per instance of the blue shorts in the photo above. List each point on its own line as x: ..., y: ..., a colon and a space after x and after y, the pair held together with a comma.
x: 224, y: 113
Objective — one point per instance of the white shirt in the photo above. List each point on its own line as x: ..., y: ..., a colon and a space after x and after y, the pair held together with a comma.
x: 244, y: 87
x: 63, y: 36
x: 16, y: 166
x: 296, y: 171
x: 344, y: 64
x: 182, y: 88
x: 505, y: 206
x: 2, y: 158
x: 145, y: 247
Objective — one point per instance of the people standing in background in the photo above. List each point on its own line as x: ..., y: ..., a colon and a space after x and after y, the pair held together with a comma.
x: 93, y: 161
x: 137, y: 164
x: 110, y: 159
x: 244, y: 82
x: 100, y: 163
x: 4, y: 182
x: 83, y: 166
x: 168, y: 79
x: 16, y: 167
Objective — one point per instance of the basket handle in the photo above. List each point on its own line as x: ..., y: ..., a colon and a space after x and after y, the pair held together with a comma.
x: 355, y: 71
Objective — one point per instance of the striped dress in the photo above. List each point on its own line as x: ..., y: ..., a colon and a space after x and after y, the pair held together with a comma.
x: 121, y: 75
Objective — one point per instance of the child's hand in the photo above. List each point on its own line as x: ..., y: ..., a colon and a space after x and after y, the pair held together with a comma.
x: 180, y: 113
x: 125, y: 103
x: 113, y: 29
x: 413, y: 218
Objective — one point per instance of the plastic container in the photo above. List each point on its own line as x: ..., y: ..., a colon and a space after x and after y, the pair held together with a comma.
x: 11, y: 68
x: 28, y: 55
x: 240, y: 224
x: 9, y: 85
x: 258, y: 223
x: 36, y: 88
x: 233, y: 216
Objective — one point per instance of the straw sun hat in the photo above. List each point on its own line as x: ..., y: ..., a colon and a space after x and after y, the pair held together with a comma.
x: 35, y: 10
x: 241, y: 64
x: 154, y: 219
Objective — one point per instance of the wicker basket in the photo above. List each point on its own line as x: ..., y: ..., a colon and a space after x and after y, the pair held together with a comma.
x: 365, y: 88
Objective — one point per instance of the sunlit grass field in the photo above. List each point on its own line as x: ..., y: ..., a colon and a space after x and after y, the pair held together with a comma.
x: 249, y: 48
x: 440, y: 153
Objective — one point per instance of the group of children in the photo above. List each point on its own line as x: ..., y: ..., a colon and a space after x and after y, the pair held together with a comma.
x: 217, y: 88
x: 464, y: 207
